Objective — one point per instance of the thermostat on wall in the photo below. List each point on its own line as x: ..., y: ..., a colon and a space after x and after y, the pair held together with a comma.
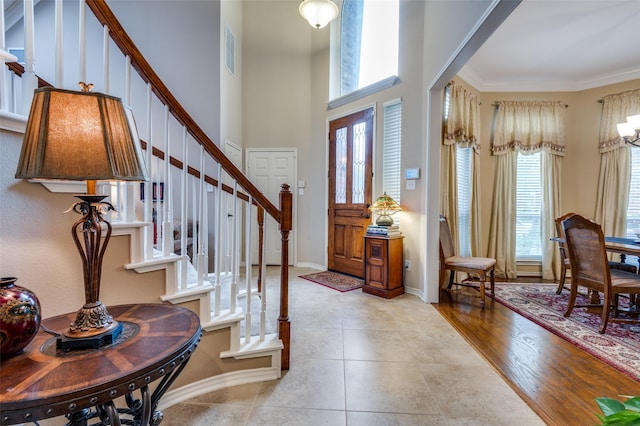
x: 412, y: 173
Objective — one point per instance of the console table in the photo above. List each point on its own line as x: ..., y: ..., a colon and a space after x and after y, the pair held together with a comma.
x: 43, y: 381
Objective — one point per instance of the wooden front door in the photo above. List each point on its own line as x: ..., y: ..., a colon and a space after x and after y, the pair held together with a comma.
x: 350, y: 177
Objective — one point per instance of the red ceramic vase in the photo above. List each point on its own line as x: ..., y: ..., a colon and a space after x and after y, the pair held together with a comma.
x: 19, y: 316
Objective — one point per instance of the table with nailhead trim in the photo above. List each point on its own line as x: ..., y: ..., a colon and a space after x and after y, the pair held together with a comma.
x: 43, y: 381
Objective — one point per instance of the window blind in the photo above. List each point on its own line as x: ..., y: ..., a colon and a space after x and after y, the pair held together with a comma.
x: 528, y: 207
x: 392, y: 149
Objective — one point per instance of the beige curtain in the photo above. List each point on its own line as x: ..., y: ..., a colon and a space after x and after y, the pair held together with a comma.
x: 615, y: 163
x: 502, y: 232
x: 461, y: 127
x: 525, y: 127
x: 551, y: 166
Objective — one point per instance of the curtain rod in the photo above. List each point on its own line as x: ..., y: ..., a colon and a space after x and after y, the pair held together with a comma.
x: 497, y: 105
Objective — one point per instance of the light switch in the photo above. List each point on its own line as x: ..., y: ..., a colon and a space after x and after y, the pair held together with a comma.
x: 411, y: 185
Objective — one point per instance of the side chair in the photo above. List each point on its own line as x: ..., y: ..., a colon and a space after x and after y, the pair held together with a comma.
x: 590, y: 269
x: 565, y: 264
x: 449, y: 261
x: 564, y: 253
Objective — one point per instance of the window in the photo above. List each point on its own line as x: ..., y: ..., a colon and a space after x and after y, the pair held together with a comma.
x: 392, y: 149
x: 368, y: 45
x: 464, y: 159
x: 633, y: 210
x: 528, y: 208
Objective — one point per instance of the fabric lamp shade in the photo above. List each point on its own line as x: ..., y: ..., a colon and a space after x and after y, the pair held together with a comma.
x: 75, y: 135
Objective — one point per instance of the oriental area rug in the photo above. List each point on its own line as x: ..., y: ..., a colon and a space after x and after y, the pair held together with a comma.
x: 334, y: 280
x: 619, y: 347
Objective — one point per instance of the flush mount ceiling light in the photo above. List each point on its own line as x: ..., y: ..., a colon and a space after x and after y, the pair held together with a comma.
x: 318, y: 12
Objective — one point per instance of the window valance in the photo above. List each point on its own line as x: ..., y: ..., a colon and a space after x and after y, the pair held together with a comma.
x: 462, y: 124
x: 529, y: 126
x: 615, y: 109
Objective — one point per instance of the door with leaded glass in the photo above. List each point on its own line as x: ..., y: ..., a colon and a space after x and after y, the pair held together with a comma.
x: 350, y: 179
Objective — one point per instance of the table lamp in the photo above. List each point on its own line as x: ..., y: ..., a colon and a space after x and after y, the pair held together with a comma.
x: 384, y: 207
x: 83, y: 136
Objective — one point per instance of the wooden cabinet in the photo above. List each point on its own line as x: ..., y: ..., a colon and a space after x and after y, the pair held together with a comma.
x: 383, y: 270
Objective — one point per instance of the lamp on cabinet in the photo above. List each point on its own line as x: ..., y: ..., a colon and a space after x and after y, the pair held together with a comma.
x: 384, y: 207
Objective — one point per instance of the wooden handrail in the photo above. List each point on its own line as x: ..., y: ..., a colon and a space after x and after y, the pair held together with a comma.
x: 106, y: 17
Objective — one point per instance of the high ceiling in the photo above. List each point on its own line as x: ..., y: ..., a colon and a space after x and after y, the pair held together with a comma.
x: 559, y: 45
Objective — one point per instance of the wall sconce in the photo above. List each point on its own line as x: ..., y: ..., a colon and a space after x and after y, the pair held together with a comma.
x: 83, y: 136
x: 630, y: 130
x: 318, y: 12
x: 384, y: 207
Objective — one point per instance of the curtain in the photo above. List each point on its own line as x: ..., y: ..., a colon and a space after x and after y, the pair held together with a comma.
x: 526, y: 127
x: 615, y: 163
x: 461, y: 128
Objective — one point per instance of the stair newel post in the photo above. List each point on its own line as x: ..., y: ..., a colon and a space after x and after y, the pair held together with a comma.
x: 286, y: 222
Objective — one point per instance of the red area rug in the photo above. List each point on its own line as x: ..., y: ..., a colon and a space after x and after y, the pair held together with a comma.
x: 619, y: 347
x: 335, y: 281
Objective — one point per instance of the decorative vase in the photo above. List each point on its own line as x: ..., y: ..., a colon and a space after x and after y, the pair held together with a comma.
x: 19, y: 316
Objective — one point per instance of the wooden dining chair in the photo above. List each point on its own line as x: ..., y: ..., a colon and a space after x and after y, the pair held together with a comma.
x: 483, y: 267
x: 565, y: 264
x: 564, y: 253
x: 590, y: 269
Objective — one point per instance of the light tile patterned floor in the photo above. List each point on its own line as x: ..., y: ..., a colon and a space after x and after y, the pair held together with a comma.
x: 358, y: 359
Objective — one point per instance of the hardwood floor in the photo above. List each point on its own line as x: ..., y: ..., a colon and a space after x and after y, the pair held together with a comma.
x: 557, y: 380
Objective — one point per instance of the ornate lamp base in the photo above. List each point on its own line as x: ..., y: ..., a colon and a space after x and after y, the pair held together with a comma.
x: 92, y: 329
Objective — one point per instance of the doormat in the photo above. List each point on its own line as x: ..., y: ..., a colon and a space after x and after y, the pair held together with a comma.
x: 335, y: 280
x: 618, y: 347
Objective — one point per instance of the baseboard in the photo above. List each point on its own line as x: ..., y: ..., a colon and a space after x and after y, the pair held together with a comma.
x: 212, y: 384
x: 311, y: 265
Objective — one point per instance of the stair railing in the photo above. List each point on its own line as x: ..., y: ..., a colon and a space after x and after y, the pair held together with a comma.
x: 172, y: 174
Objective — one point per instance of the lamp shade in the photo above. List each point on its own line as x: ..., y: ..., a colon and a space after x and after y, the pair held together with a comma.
x: 74, y: 135
x: 318, y: 12
x: 385, y: 206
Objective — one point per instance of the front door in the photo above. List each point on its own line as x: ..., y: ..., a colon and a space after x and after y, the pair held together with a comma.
x: 350, y: 177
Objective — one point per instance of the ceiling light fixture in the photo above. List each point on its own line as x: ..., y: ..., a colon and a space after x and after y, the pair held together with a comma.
x: 630, y: 130
x: 318, y: 12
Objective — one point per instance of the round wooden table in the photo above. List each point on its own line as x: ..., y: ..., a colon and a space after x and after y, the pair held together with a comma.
x: 43, y: 381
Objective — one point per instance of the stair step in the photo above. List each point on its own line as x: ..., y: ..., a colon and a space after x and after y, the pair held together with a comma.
x: 269, y: 346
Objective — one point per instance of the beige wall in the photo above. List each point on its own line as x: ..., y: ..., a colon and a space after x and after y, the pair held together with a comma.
x: 581, y: 164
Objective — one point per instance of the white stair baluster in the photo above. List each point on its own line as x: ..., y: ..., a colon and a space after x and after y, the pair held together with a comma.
x: 148, y: 202
x: 184, y: 229
x: 59, y: 79
x: 217, y: 254
x: 29, y: 78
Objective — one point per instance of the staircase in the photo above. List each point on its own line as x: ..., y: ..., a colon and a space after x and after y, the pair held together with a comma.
x: 199, y: 221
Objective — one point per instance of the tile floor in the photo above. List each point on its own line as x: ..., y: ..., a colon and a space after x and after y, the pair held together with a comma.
x: 357, y: 359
